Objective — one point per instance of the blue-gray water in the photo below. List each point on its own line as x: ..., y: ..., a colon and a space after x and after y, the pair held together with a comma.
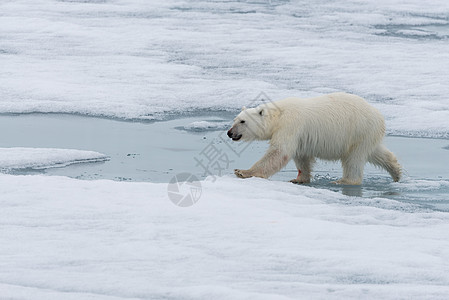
x: 157, y: 151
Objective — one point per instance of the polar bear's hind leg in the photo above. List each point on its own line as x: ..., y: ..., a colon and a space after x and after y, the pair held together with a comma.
x: 384, y: 158
x: 352, y: 171
x: 353, y: 164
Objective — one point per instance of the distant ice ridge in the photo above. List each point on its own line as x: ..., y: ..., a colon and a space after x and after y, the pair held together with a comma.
x: 42, y: 158
x: 150, y: 59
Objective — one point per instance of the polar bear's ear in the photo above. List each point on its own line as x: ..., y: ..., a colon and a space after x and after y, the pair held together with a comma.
x: 261, y: 112
x: 243, y: 108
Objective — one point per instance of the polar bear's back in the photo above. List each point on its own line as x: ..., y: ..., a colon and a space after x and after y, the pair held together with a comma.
x: 330, y: 126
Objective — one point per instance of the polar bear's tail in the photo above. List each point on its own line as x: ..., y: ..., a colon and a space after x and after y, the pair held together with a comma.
x: 384, y: 158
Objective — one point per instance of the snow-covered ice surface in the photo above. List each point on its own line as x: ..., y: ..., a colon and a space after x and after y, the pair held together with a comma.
x: 152, y: 59
x: 63, y: 238
x: 18, y: 158
x: 255, y: 239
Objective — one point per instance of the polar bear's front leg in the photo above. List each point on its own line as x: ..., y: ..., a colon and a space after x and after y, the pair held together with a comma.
x: 271, y: 163
x: 243, y: 173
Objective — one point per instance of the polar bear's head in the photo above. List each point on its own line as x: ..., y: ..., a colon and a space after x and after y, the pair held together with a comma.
x: 253, y: 123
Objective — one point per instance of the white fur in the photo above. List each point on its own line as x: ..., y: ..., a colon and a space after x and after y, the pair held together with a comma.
x: 337, y: 126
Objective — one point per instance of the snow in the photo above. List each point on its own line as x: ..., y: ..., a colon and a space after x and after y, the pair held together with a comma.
x: 151, y: 59
x: 64, y: 238
x: 42, y: 158
x: 244, y: 239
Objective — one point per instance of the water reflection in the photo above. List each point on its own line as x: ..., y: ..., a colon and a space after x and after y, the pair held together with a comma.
x: 156, y: 152
x: 352, y: 190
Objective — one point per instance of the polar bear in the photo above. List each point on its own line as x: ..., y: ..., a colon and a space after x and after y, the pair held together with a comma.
x: 336, y: 126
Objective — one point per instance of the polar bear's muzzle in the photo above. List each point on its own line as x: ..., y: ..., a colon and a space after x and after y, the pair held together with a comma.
x: 233, y: 136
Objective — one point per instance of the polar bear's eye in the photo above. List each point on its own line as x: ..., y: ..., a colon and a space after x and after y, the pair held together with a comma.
x: 242, y: 121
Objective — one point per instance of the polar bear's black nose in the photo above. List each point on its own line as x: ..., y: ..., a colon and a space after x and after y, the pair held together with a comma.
x: 230, y: 133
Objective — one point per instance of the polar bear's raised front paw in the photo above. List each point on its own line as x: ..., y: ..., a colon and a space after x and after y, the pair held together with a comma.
x: 242, y: 173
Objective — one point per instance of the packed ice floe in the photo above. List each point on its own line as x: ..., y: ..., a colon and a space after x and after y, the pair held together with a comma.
x: 199, y: 126
x: 243, y: 239
x: 17, y: 158
x: 152, y: 59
